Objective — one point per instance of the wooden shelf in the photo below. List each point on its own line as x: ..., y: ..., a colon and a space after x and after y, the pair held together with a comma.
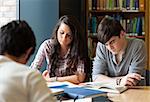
x: 116, y: 11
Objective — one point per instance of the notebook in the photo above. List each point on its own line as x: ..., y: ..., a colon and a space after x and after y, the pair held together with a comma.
x: 56, y: 91
x: 81, y: 92
x: 58, y: 87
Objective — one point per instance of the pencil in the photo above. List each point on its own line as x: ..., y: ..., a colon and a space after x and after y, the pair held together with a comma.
x: 142, y: 77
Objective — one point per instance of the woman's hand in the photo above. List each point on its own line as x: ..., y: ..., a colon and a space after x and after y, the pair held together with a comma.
x: 45, y: 75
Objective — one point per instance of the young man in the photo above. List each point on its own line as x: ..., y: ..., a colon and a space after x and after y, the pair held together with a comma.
x: 18, y: 83
x: 119, y: 60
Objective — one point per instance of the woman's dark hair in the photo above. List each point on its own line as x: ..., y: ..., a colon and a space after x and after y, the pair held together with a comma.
x: 16, y: 38
x: 107, y: 28
x: 76, y: 50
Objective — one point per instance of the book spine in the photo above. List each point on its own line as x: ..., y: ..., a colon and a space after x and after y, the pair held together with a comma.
x: 127, y: 4
x: 136, y: 4
x: 94, y: 4
x: 90, y: 4
x: 120, y: 4
x: 94, y: 24
x: 98, y: 4
x: 141, y: 5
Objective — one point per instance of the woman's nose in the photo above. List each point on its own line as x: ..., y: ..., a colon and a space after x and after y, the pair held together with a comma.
x: 66, y: 35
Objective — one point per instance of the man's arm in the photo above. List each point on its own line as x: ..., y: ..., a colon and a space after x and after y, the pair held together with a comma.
x: 104, y: 79
x: 127, y: 80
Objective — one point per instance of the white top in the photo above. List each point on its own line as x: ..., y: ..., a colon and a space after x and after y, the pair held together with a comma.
x: 18, y: 83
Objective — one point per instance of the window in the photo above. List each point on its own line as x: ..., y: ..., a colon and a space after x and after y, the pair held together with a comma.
x: 8, y: 11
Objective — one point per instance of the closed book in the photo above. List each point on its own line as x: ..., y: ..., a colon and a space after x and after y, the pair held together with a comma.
x: 58, y: 87
x: 81, y: 92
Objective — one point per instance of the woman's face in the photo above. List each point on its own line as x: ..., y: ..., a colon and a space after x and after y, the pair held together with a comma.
x: 64, y: 35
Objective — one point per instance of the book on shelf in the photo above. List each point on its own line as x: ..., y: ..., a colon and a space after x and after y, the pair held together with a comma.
x: 90, y: 4
x: 105, y: 87
x: 116, y: 4
x: 141, y: 5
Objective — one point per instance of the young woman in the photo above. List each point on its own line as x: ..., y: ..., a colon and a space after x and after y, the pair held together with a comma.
x: 63, y: 52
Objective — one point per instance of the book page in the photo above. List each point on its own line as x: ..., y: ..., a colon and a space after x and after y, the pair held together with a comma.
x: 106, y: 87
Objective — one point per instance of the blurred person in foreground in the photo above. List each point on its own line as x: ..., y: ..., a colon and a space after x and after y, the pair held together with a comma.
x: 18, y: 83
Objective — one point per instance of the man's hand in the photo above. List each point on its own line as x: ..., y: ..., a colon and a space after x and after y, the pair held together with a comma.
x: 130, y: 79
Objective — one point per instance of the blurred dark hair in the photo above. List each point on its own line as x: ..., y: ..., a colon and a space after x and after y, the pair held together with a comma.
x: 16, y: 38
x: 107, y: 28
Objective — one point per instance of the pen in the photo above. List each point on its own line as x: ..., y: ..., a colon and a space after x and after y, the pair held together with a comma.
x: 142, y: 78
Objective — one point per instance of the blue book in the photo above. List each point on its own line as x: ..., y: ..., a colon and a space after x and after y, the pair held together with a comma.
x: 139, y: 26
x: 94, y: 24
x: 81, y: 92
x: 128, y: 4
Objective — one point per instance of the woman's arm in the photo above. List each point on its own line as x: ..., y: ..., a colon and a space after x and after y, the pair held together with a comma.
x: 43, y: 52
x: 76, y: 79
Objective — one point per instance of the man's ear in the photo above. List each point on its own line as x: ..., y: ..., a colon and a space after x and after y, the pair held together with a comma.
x: 122, y: 34
x: 27, y: 55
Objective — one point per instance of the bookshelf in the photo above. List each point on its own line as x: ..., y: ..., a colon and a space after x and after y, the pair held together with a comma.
x: 132, y: 14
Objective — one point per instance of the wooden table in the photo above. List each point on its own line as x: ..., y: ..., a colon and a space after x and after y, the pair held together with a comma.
x: 136, y: 94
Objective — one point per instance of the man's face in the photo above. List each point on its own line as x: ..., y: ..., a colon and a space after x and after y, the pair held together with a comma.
x: 115, y: 44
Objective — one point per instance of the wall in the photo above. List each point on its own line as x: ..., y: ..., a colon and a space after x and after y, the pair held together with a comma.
x: 7, y: 11
x: 78, y: 9
x: 42, y: 16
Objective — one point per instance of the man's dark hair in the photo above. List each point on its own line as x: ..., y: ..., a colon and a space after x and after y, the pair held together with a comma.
x: 16, y: 38
x: 107, y: 28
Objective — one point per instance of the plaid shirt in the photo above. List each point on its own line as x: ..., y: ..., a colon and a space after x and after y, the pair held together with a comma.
x: 45, y: 52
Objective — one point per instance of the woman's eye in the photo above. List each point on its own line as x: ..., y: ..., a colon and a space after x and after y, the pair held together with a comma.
x: 68, y: 35
x: 61, y: 32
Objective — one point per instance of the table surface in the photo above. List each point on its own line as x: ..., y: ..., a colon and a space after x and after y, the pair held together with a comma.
x: 135, y: 94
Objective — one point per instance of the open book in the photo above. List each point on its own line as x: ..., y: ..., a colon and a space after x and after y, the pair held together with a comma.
x: 111, y: 88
